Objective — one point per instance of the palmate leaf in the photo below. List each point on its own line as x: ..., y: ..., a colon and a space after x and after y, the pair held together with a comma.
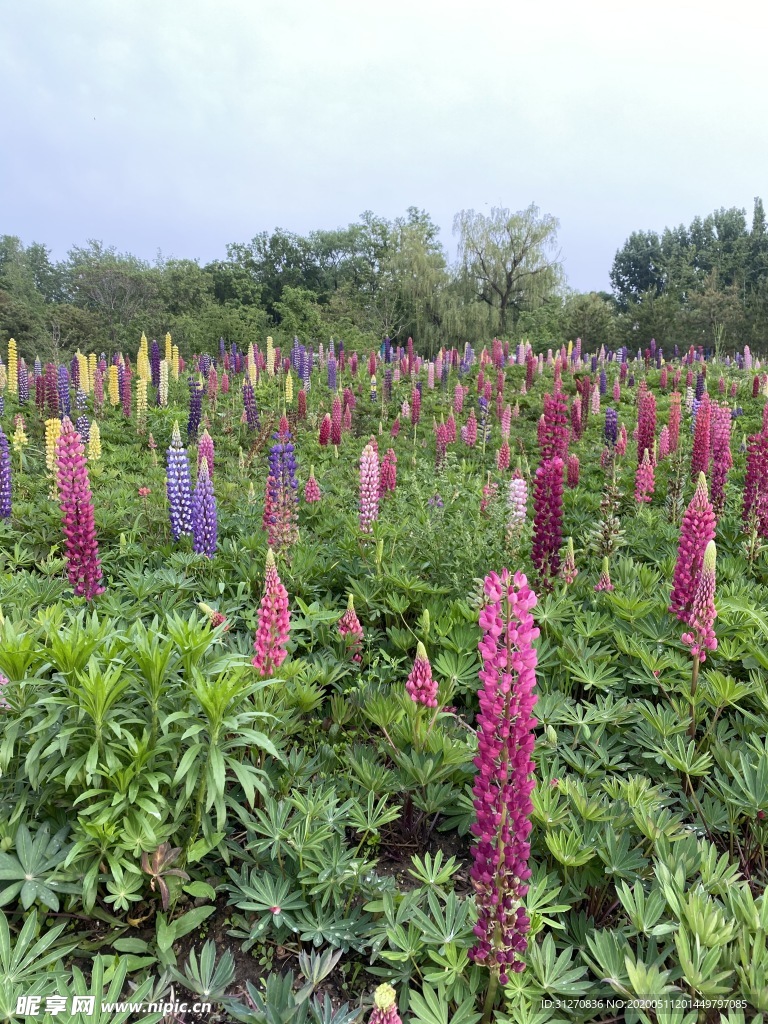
x: 461, y: 669
x: 431, y: 1006
x: 555, y: 973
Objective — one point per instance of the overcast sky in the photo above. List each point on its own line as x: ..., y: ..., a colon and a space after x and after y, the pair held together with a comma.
x: 182, y: 125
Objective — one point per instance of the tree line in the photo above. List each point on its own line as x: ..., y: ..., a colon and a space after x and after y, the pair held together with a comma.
x: 380, y: 277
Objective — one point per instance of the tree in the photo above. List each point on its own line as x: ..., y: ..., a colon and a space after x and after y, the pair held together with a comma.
x: 638, y: 268
x: 508, y: 260
x: 589, y: 317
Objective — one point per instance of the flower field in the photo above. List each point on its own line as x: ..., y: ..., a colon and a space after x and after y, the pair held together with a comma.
x: 368, y: 686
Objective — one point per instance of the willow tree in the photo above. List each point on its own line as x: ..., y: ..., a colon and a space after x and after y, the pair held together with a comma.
x: 508, y: 260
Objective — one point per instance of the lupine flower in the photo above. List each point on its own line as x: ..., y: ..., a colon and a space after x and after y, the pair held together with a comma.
x: 594, y: 405
x: 204, y: 524
x: 573, y: 469
x: 701, y: 637
x: 205, y: 451
x: 81, y: 546
x: 178, y: 486
x: 506, y: 422
x: 369, y: 488
x: 517, y: 501
x: 621, y: 441
x: 503, y: 784
x: 458, y: 399
x: 350, y: 629
x: 283, y: 490
x: 611, y: 425
x: 644, y: 479
x: 415, y: 406
x: 274, y: 623
x: 395, y: 427
x: 469, y: 430
x: 664, y: 443
x: 646, y: 421
x: 312, y: 488
x: 388, y: 473
x: 568, y: 569
x: 700, y: 455
x: 604, y: 583
x: 553, y: 432
x: 336, y: 421
x: 5, y: 477
x: 215, y: 618
x: 696, y: 531
x: 722, y: 460
x: 52, y: 432
x: 421, y: 687
x: 548, y: 518
x: 195, y: 408
x: 756, y: 483
x: 503, y: 457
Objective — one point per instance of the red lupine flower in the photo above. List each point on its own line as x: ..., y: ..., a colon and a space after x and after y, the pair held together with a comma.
x: 325, y: 430
x: 312, y: 488
x: 701, y: 439
x: 349, y: 627
x: 388, y: 475
x: 702, y: 638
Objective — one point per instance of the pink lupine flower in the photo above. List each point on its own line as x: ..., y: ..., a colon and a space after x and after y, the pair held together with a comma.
x: 369, y: 488
x: 336, y: 421
x: 548, y: 518
x: 702, y: 638
x: 346, y: 422
x: 594, y: 404
x: 646, y: 422
x: 441, y: 446
x: 675, y: 408
x: 503, y: 457
x: 415, y: 406
x: 696, y: 531
x: 214, y: 617
x: 664, y: 443
x: 617, y: 390
x: 644, y: 479
x: 350, y: 629
x: 503, y: 784
x: 421, y: 687
x: 722, y: 460
x: 516, y: 411
x: 395, y: 428
x: 450, y: 426
x: 604, y: 583
x: 274, y: 623
x: 384, y: 1006
x: 506, y: 422
x: 663, y: 378
x: 756, y: 483
x: 312, y: 488
x: 469, y: 430
x: 458, y: 399
x: 621, y: 440
x: 225, y: 383
x: 81, y: 546
x: 205, y: 451
x: 4, y: 680
x: 700, y: 456
x: 405, y: 410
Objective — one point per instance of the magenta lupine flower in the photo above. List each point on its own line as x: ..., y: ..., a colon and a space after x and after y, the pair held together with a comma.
x: 722, y: 460
x: 617, y: 390
x: 312, y: 488
x: 503, y: 784
x: 421, y: 687
x: 573, y: 469
x: 325, y: 430
x: 701, y: 439
x: 450, y: 426
x: 350, y: 629
x: 369, y: 488
x: 395, y: 430
x: 702, y: 638
x: 388, y: 474
x: 553, y: 427
x: 205, y: 451
x: 644, y: 479
x: 663, y: 378
x: 441, y: 446
x: 646, y: 422
x: 274, y: 623
x: 604, y: 583
x: 81, y: 546
x: 503, y: 457
x: 696, y: 531
x: 548, y: 518
x: 336, y: 421
x: 469, y: 430
x: 756, y: 483
x: 415, y: 406
x: 675, y: 408
x: 506, y: 422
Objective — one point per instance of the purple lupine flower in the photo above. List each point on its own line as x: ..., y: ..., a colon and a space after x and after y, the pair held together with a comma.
x: 22, y: 376
x: 611, y: 426
x: 83, y: 427
x: 204, y: 527
x: 154, y: 364
x: 249, y: 403
x: 603, y: 382
x: 178, y: 486
x: 503, y: 784
x: 283, y: 490
x: 699, y: 386
x: 331, y: 370
x: 63, y: 392
x: 5, y: 477
x: 38, y: 367
x: 195, y: 408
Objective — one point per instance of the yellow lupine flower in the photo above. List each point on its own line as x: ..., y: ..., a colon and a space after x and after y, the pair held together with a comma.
x: 163, y: 383
x: 92, y: 364
x: 52, y: 432
x: 168, y: 348
x: 270, y: 358
x: 113, y: 385
x: 175, y: 362
x: 13, y: 367
x: 94, y: 443
x: 19, y: 440
x: 288, y: 388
